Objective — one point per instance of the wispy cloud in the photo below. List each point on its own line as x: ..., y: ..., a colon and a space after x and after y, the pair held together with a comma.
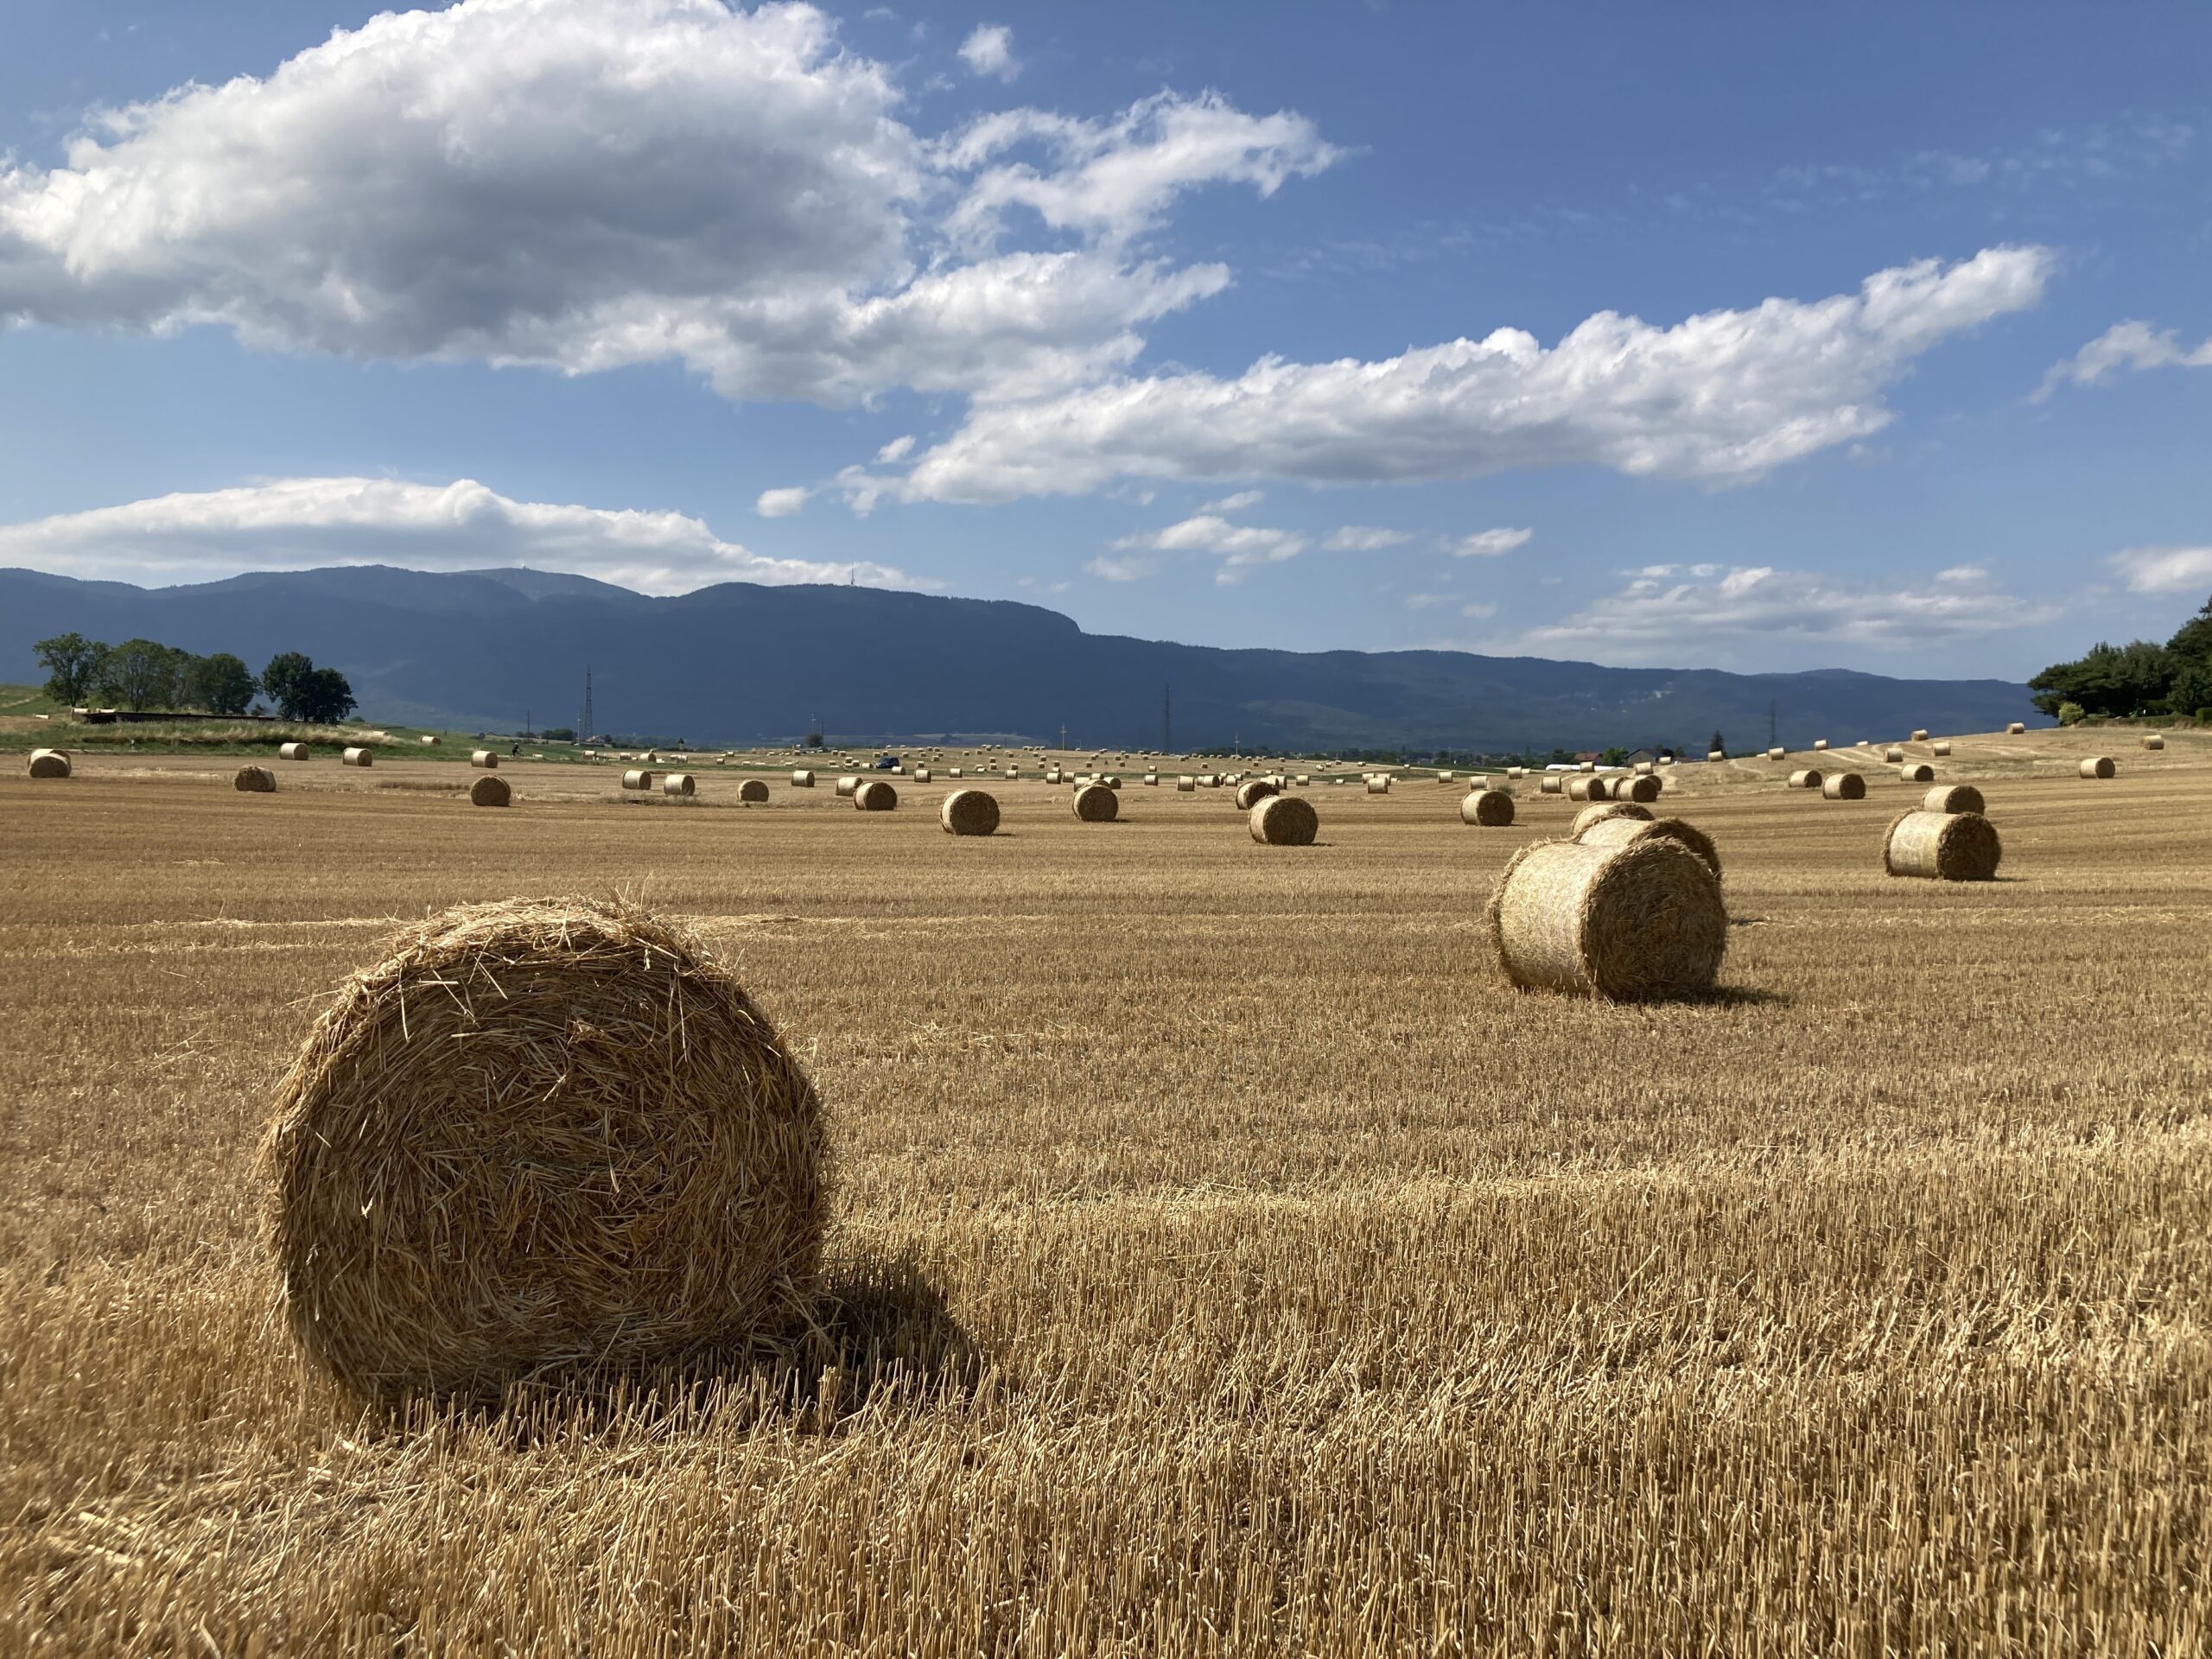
x: 781, y: 504
x: 1364, y: 538
x: 1488, y: 543
x: 2126, y: 347
x: 988, y: 50
x: 2165, y: 570
x: 1241, y: 547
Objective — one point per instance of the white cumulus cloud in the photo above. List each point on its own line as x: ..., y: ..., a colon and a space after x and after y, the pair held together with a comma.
x: 988, y: 50
x: 1364, y: 538
x: 1241, y: 547
x: 1724, y: 396
x: 299, y: 523
x: 2165, y: 570
x: 2125, y: 347
x: 1489, y: 544
x: 781, y: 504
x: 1237, y: 503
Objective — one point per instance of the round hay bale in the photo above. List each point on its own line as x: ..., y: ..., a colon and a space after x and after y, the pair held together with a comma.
x: 1551, y: 784
x: 356, y: 758
x: 1627, y: 922
x: 1919, y: 773
x: 1186, y: 785
x: 430, y: 738
x: 952, y: 772
x: 1716, y: 754
x: 1096, y: 803
x: 1152, y: 778
x: 1941, y: 750
x: 291, y: 751
x: 1013, y: 773
x: 539, y: 1136
x: 255, y: 780
x: 1941, y: 846
x: 2099, y: 767
x: 679, y: 785
x: 1893, y: 755
x: 1516, y: 772
x: 1284, y: 820
x: 636, y: 780
x: 1807, y: 778
x: 1053, y: 775
x: 968, y: 812
x: 1580, y: 788
x: 49, y: 763
x: 484, y: 759
x: 804, y: 780
x: 752, y: 790
x: 1491, y: 807
x: 1605, y: 810
x: 1953, y: 797
x: 875, y: 796
x: 1775, y: 754
x: 1919, y: 735
x: 1378, y: 785
x: 848, y: 784
x: 922, y: 774
x: 1252, y: 792
x: 2154, y: 741
x: 1635, y: 789
x: 2017, y: 728
x: 490, y: 792
x: 1820, y: 744
x: 1843, y: 786
x: 1621, y: 831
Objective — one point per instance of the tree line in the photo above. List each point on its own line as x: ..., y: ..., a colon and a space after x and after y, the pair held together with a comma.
x: 2137, y: 679
x: 143, y: 674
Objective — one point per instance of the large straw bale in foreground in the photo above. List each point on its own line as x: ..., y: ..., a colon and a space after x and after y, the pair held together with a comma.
x: 1096, y: 803
x: 2099, y: 767
x: 1491, y: 808
x: 1941, y: 846
x: 1621, y: 831
x: 490, y: 792
x: 969, y: 812
x: 254, y: 780
x: 539, y: 1136
x: 875, y: 796
x: 1285, y: 821
x: 1843, y: 786
x: 1599, y: 813
x: 1627, y: 922
x: 49, y: 763
x: 754, y: 791
x: 1252, y: 792
x: 1953, y: 797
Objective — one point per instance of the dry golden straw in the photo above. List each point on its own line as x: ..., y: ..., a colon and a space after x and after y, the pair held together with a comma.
x: 49, y: 763
x: 1491, y: 808
x: 2100, y: 766
x: 1284, y: 820
x: 637, y: 778
x: 2016, y: 728
x: 1843, y: 786
x: 490, y: 792
x: 804, y: 780
x: 1580, y: 788
x: 2154, y: 741
x: 1252, y: 792
x: 1807, y: 778
x: 539, y: 1137
x: 1645, y: 788
x: 1551, y: 784
x: 752, y: 790
x: 679, y: 784
x: 969, y: 812
x: 485, y: 760
x: 291, y: 751
x: 1941, y: 846
x: 1919, y: 735
x: 1627, y: 923
x: 848, y: 784
x: 255, y: 780
x: 1893, y: 755
x: 356, y: 758
x: 1953, y: 797
x: 1919, y: 773
x: 1940, y: 750
x: 1605, y: 810
x: 1096, y: 803
x: 1624, y: 831
x: 875, y: 796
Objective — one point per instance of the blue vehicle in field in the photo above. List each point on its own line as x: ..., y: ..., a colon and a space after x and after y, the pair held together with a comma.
x: 886, y: 763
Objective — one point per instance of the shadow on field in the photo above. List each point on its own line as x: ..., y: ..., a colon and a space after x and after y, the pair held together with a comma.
x: 884, y: 1328
x: 1736, y: 996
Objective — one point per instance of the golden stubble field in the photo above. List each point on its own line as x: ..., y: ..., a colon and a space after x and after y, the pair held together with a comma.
x: 1225, y: 1260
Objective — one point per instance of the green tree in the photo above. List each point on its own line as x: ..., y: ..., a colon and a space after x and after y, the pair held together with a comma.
x: 324, y: 697
x: 142, y: 673
x: 1719, y: 746
x: 2070, y: 714
x: 1614, y: 756
x: 74, y: 665
x: 281, y: 680
x: 220, y: 683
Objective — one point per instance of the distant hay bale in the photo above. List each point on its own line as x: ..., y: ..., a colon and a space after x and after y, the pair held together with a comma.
x: 1284, y: 820
x: 1941, y: 846
x: 1643, y: 768
x: 1716, y: 754
x: 2099, y: 767
x: 1603, y: 810
x: 291, y: 751
x: 1580, y: 788
x: 1953, y: 797
x: 428, y: 738
x: 356, y: 758
x: 540, y: 1136
x: 2017, y: 728
x: 969, y: 812
x: 1304, y: 781
x: 804, y: 780
x: 922, y: 774
x: 1186, y: 785
x: 636, y: 780
x: 1894, y: 754
x: 1807, y: 778
x: 1491, y: 807
x: 1639, y: 920
x: 876, y: 795
x: 1843, y: 786
x: 255, y: 780
x: 1940, y: 749
x: 49, y: 763
x: 1819, y: 744
x: 1516, y: 772
x: 1587, y: 766
x: 2154, y: 741
x: 1918, y: 772
x: 1619, y: 831
x: 1152, y: 778
x: 1096, y: 803
x: 1919, y: 735
x: 1053, y: 775
x: 848, y: 784
x: 1378, y: 785
x: 1252, y: 792
x: 1635, y: 789
x: 1013, y: 773
x: 952, y: 772
x: 752, y: 790
x: 488, y: 791
x: 679, y: 785
x: 1776, y: 753
x: 485, y: 759
x: 1551, y: 784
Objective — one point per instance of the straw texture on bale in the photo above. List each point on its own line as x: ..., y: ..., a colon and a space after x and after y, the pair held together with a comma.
x: 875, y: 796
x: 1953, y: 797
x: 2154, y: 741
x: 680, y: 785
x: 753, y: 790
x: 1603, y: 810
x: 356, y: 758
x: 540, y: 1136
x: 484, y: 759
x: 1551, y: 784
x: 1378, y: 785
x: 2017, y: 728
x: 848, y: 784
x: 1636, y: 788
x: 1807, y: 778
x: 1285, y: 821
x: 1580, y: 788
x: 1628, y: 922
x: 969, y: 812
x: 1893, y: 755
x: 1252, y: 792
x: 1096, y: 803
x: 255, y: 780
x: 1491, y: 808
x: 46, y: 763
x: 1186, y: 785
x: 1942, y: 847
x: 1920, y: 772
x: 291, y: 751
x: 1623, y: 831
x: 804, y: 780
x: 490, y: 792
x: 636, y: 780
x: 1940, y: 750
x: 922, y: 774
x: 1843, y: 786
x: 2100, y: 766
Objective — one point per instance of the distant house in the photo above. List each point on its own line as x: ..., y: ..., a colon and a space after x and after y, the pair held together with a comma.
x: 1585, y: 754
x: 1640, y: 757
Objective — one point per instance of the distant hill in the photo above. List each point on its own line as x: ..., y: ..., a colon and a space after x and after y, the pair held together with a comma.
x: 737, y: 663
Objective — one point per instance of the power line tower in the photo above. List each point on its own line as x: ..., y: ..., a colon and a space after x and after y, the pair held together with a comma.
x: 1772, y: 740
x: 583, y: 725
x: 1167, y: 720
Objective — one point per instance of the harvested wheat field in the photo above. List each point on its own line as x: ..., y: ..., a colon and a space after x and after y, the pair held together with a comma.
x: 1221, y: 1256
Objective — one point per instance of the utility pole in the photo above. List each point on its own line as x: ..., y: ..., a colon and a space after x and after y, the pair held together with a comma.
x: 1064, y: 737
x: 583, y: 725
x: 1772, y: 741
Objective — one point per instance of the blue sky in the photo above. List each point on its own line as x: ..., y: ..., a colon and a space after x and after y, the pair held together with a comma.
x: 1867, y: 337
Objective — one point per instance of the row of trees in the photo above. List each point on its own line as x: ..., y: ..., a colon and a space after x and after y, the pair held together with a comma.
x: 2138, y: 678
x: 143, y: 674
